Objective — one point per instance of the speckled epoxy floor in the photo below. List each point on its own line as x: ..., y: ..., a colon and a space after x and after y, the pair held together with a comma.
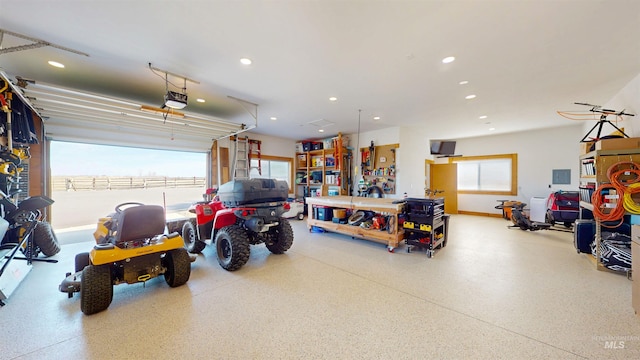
x: 491, y: 293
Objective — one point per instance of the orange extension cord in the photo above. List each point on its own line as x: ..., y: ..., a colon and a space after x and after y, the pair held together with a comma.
x: 624, y: 189
x: 617, y: 213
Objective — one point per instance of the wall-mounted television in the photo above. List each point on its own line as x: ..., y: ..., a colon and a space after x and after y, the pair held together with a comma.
x: 442, y: 147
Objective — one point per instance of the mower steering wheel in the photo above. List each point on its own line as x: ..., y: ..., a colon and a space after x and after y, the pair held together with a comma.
x: 120, y: 206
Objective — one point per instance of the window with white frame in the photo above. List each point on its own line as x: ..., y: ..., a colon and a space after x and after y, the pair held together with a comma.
x: 272, y: 167
x: 494, y: 174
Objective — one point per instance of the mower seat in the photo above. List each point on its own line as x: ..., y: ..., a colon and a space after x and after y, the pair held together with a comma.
x: 139, y: 223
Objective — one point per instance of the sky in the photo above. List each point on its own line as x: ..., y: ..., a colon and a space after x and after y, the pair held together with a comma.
x: 71, y: 159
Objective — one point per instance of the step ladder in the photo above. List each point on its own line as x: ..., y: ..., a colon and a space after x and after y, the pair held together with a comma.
x: 245, y: 148
x: 241, y: 158
x: 255, y: 151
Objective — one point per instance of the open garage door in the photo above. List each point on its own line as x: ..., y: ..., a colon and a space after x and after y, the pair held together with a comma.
x: 89, y: 180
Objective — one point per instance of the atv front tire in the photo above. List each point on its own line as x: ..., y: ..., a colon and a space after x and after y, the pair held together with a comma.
x: 190, y: 237
x: 232, y: 247
x: 178, y: 267
x: 280, y: 237
x: 96, y: 289
x: 45, y: 239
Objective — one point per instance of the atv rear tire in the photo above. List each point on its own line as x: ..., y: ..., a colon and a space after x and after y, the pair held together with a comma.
x: 190, y: 237
x: 45, y: 239
x: 232, y: 247
x: 178, y: 267
x: 280, y: 237
x: 96, y: 289
x: 82, y: 261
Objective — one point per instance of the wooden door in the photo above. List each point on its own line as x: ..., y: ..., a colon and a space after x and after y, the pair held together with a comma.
x: 445, y: 177
x: 224, y: 165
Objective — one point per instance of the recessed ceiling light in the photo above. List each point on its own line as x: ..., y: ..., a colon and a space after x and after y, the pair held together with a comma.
x: 246, y: 61
x: 273, y: 118
x: 491, y: 129
x: 200, y: 100
x: 376, y: 118
x: 463, y: 82
x: 56, y: 64
x: 333, y: 98
x: 469, y: 97
x: 483, y: 117
x: 321, y: 130
x: 448, y: 59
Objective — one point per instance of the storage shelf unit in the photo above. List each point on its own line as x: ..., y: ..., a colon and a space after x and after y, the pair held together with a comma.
x: 322, y: 172
x: 379, y: 205
x: 379, y: 167
x: 593, y: 173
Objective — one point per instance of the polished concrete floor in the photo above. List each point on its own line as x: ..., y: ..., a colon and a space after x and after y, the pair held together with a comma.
x: 491, y: 293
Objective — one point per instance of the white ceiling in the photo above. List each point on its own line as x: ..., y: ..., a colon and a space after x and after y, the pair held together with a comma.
x: 523, y: 59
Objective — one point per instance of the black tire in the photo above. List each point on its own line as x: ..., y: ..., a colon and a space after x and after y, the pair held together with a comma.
x: 300, y: 216
x: 190, y: 237
x: 232, y: 247
x: 96, y: 289
x: 549, y: 218
x: 45, y: 239
x: 280, y: 237
x: 178, y: 267
x: 356, y: 218
x: 82, y: 260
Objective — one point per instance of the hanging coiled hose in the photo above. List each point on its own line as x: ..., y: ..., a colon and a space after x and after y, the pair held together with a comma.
x: 599, y: 209
x: 625, y: 186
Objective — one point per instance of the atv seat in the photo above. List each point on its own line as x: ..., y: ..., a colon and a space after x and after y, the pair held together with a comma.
x: 139, y: 223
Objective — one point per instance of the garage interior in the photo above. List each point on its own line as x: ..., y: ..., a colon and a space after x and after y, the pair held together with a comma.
x: 524, y: 82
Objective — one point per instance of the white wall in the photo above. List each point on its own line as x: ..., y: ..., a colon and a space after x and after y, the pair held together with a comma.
x: 539, y: 152
x: 628, y: 99
x: 379, y: 137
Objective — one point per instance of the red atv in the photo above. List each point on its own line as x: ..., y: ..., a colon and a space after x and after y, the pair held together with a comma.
x: 241, y: 213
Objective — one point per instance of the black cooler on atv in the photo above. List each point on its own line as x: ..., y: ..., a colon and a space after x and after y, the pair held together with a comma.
x: 250, y: 191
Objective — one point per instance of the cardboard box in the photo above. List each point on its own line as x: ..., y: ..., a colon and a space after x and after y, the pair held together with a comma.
x: 618, y: 144
x: 586, y: 147
x: 603, y: 163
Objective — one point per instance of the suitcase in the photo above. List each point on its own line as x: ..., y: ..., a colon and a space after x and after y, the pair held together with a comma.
x: 253, y: 191
x: 583, y: 233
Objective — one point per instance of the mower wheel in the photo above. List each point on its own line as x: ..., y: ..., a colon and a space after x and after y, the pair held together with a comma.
x: 190, y: 237
x: 178, y: 267
x: 280, y: 237
x: 232, y: 247
x: 82, y: 260
x: 96, y: 289
x: 300, y: 216
x: 45, y: 239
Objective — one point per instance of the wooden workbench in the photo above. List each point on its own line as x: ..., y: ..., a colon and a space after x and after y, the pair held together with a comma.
x: 379, y: 205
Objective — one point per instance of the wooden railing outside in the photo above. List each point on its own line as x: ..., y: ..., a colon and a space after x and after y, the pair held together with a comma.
x: 82, y: 183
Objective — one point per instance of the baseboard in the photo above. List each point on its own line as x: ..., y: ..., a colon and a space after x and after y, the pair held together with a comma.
x: 475, y: 213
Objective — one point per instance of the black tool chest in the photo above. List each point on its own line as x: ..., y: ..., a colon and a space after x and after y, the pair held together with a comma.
x: 425, y: 224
